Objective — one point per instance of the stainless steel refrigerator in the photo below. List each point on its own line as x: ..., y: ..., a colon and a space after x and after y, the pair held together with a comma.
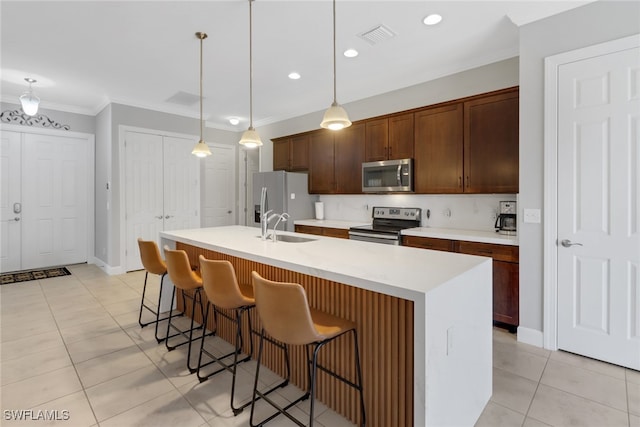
x: 286, y: 192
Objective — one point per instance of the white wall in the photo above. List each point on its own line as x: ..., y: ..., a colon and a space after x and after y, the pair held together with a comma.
x: 584, y: 26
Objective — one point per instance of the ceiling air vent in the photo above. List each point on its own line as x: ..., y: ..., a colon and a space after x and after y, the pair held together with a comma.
x: 183, y: 98
x: 377, y: 34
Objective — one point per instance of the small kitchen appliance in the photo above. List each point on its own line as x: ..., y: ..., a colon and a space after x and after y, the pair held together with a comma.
x: 506, y: 222
x: 387, y: 225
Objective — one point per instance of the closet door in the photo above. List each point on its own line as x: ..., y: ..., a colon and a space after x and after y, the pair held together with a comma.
x: 162, y: 189
x: 181, y: 185
x: 144, y: 211
x: 54, y: 201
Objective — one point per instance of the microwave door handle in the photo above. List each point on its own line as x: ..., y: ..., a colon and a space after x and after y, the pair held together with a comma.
x: 398, y: 175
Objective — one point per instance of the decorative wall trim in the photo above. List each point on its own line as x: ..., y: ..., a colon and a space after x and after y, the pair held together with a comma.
x: 20, y: 118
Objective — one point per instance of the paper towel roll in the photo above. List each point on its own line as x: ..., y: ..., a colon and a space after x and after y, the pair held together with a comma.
x: 319, y: 210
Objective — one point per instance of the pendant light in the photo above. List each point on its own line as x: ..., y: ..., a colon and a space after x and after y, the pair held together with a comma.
x: 250, y: 138
x: 201, y: 149
x: 335, y: 118
x: 29, y: 101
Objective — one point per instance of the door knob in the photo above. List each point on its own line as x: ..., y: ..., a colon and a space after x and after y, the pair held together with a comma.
x: 228, y: 212
x: 16, y: 218
x: 568, y: 243
x: 159, y: 217
x: 168, y: 216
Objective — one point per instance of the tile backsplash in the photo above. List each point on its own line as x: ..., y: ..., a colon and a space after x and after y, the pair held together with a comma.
x: 464, y: 211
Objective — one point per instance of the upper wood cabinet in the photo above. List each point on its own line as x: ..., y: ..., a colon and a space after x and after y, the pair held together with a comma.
x: 291, y: 153
x: 389, y: 138
x: 321, y: 162
x: 491, y: 143
x: 439, y: 150
x: 468, y: 147
x: 335, y: 160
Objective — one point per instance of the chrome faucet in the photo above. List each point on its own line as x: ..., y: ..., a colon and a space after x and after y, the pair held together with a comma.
x: 264, y: 223
x: 281, y: 218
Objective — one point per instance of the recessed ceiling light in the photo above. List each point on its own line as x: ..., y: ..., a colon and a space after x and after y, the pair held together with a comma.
x: 234, y: 120
x: 294, y: 76
x: 350, y: 53
x: 432, y: 19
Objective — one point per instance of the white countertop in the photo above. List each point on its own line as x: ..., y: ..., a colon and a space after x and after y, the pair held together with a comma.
x: 331, y: 223
x: 393, y: 270
x: 467, y: 235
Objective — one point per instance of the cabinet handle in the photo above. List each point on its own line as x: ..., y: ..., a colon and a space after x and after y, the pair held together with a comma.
x: 459, y: 182
x: 467, y: 181
x: 390, y: 151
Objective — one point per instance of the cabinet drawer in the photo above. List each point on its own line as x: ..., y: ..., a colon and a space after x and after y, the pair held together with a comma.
x: 429, y: 243
x: 497, y: 252
x: 309, y: 229
x: 335, y: 232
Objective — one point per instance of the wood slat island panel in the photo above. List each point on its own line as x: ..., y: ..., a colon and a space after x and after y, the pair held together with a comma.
x: 385, y: 331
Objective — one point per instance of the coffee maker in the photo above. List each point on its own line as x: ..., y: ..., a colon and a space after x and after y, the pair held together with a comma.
x: 506, y: 221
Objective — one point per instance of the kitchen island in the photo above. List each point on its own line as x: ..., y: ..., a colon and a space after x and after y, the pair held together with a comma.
x: 423, y: 318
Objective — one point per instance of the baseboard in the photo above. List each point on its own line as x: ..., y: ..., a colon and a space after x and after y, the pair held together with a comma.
x: 111, y: 271
x: 530, y: 336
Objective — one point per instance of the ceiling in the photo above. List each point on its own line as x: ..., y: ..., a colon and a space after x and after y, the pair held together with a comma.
x: 86, y: 54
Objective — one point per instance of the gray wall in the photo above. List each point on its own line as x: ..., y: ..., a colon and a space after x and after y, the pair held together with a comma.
x: 78, y: 122
x: 585, y: 26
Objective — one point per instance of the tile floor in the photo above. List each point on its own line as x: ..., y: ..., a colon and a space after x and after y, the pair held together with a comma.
x: 73, y: 344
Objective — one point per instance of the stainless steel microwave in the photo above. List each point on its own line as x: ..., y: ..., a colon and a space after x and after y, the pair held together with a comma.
x: 387, y: 176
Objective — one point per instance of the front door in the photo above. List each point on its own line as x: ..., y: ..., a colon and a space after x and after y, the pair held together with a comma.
x: 599, y: 207
x: 10, y: 202
x: 54, y: 201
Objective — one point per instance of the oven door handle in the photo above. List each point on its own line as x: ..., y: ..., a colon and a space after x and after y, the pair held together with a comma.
x: 398, y: 175
x: 373, y: 236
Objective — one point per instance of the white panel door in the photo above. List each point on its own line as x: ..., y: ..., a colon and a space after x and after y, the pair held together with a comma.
x: 10, y: 202
x: 181, y: 185
x: 599, y: 207
x: 54, y: 195
x: 218, y: 202
x: 144, y: 210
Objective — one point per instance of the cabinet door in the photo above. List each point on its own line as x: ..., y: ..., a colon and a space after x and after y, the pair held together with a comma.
x: 438, y: 150
x: 299, y: 153
x: 491, y: 144
x: 401, y: 137
x: 506, y: 293
x: 281, y: 154
x: 321, y: 162
x: 336, y: 232
x: 349, y: 155
x: 376, y: 140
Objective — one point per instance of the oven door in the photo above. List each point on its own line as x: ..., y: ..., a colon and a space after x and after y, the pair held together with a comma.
x: 387, y: 239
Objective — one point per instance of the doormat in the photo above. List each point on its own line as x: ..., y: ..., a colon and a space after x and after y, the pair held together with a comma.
x: 25, y: 276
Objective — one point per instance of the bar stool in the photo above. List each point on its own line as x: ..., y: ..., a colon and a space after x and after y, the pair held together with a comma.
x: 152, y: 263
x: 223, y: 292
x: 184, y: 279
x: 286, y: 316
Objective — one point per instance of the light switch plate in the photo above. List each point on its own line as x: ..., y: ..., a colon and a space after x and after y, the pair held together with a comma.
x: 531, y: 216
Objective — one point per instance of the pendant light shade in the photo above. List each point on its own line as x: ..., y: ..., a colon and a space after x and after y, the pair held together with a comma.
x: 201, y: 149
x: 250, y: 137
x: 29, y: 101
x: 335, y: 118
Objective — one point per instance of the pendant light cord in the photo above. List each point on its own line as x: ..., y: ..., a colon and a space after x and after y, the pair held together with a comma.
x: 250, y: 64
x: 202, y: 36
x: 335, y: 100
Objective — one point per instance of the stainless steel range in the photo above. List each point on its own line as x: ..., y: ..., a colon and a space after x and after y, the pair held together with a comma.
x: 387, y: 225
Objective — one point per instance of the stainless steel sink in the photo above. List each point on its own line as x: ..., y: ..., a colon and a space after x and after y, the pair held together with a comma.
x: 293, y: 239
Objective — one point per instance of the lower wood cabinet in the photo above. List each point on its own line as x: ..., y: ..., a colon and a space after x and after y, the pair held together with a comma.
x: 506, y: 276
x: 323, y: 231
